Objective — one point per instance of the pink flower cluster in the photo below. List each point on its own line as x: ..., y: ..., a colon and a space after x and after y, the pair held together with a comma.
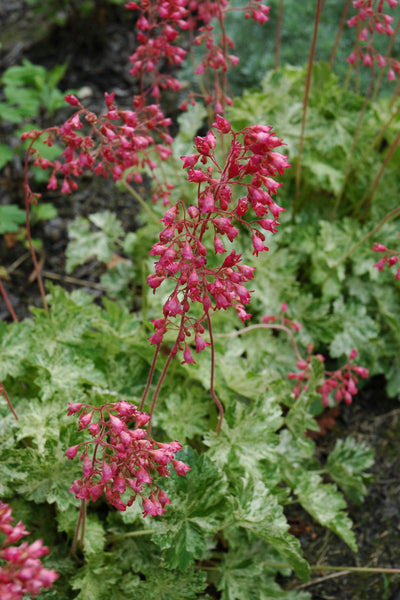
x: 23, y: 573
x: 217, y: 57
x: 158, y: 26
x: 342, y: 381
x: 124, y: 458
x: 390, y: 258
x: 250, y: 166
x: 117, y: 140
x: 374, y: 21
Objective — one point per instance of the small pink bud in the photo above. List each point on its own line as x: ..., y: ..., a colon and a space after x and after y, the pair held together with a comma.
x: 72, y: 100
x: 72, y: 451
x: 353, y: 354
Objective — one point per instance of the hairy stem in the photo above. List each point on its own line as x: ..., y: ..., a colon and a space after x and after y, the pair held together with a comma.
x: 80, y: 527
x: 278, y: 35
x: 305, y: 105
x: 7, y: 301
x: 367, y: 198
x: 339, y: 32
x: 28, y: 195
x: 4, y: 393
x: 139, y: 199
x: 349, y: 162
x: 212, y: 390
x: 150, y: 377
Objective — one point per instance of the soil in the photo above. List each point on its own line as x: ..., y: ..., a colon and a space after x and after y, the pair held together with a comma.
x: 97, y: 47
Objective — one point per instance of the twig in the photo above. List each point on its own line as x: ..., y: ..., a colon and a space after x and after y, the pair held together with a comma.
x: 74, y: 280
x: 263, y: 326
x: 303, y: 586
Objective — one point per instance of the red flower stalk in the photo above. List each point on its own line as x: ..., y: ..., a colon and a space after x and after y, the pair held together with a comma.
x: 124, y: 458
x: 371, y: 20
x: 389, y: 259
x: 117, y: 140
x: 342, y: 382
x: 22, y: 573
x: 218, y: 57
x: 249, y: 167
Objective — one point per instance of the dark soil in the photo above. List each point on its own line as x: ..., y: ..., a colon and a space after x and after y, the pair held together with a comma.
x: 97, y: 48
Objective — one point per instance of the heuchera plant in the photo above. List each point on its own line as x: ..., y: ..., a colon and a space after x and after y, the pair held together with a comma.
x: 23, y: 572
x: 234, y: 175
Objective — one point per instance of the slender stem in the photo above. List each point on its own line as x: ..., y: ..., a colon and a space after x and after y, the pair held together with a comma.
x: 150, y: 377
x: 7, y: 301
x: 4, y: 393
x: 80, y: 527
x: 339, y: 33
x: 369, y: 194
x: 355, y: 569
x: 163, y: 374
x: 224, y: 52
x: 123, y: 536
x: 264, y: 326
x: 28, y: 195
x: 305, y: 104
x: 349, y: 163
x: 278, y: 35
x: 337, y: 569
x: 139, y: 198
x: 394, y: 97
x: 376, y: 141
x: 387, y: 218
x: 212, y: 391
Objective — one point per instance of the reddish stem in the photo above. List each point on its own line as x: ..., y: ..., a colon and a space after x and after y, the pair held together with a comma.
x: 339, y: 33
x: 28, y: 194
x: 150, y: 377
x: 278, y: 34
x: 305, y: 105
x: 4, y: 393
x: 8, y: 303
x: 212, y: 391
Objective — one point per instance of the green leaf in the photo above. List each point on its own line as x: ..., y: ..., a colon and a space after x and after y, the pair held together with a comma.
x: 48, y: 477
x: 247, y: 436
x: 346, y: 465
x: 15, y: 343
x: 96, y: 579
x: 246, y: 576
x: 65, y: 370
x: 192, y: 415
x: 325, y: 503
x: 358, y: 329
x: 196, y: 511
x: 6, y: 154
x: 256, y: 509
x: 11, y: 217
x: 43, y: 211
x: 88, y: 244
x: 164, y: 584
x: 300, y: 417
x: 94, y: 536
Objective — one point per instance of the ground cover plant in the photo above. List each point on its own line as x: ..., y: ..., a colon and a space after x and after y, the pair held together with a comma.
x: 154, y: 444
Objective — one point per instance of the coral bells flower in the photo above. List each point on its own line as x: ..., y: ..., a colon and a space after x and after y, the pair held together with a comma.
x: 124, y: 459
x: 23, y: 573
x: 371, y: 19
x: 341, y: 383
x: 390, y: 258
x: 250, y: 166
